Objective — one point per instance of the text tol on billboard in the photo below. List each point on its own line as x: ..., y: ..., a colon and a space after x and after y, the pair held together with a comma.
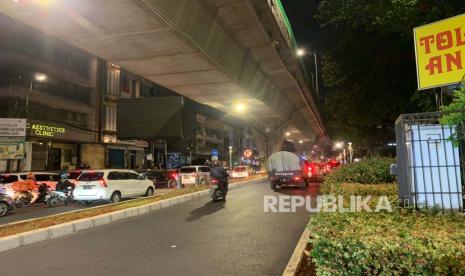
x: 440, y: 52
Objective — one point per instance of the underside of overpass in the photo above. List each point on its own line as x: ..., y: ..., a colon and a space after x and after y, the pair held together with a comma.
x: 216, y: 52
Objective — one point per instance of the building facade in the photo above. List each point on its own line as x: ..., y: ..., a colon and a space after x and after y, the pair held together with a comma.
x: 53, y: 86
x: 70, y: 101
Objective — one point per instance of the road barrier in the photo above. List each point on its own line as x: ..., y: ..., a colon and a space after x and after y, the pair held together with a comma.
x: 59, y: 230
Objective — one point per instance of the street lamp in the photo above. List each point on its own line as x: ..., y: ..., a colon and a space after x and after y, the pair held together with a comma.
x: 300, y: 52
x: 239, y: 107
x: 230, y: 156
x: 351, y: 152
x: 288, y: 134
x: 38, y: 77
x: 339, y: 145
x: 301, y: 141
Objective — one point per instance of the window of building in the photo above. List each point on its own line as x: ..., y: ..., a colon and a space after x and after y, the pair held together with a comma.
x: 68, y: 155
x: 113, y: 81
x: 110, y: 117
x: 126, y: 85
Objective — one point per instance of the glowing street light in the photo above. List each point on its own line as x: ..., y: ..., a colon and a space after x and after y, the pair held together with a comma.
x: 339, y: 145
x: 40, y: 77
x: 288, y: 134
x: 239, y: 107
x: 301, y: 141
x: 300, y: 52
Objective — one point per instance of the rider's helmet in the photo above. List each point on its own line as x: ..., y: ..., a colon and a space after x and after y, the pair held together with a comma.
x: 30, y: 176
x: 64, y: 175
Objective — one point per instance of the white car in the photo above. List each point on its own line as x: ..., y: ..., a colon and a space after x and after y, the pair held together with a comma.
x: 7, y: 180
x: 241, y: 171
x: 111, y: 185
x: 195, y: 175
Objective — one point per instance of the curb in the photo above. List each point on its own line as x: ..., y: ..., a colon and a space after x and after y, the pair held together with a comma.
x: 294, y: 263
x: 60, y: 230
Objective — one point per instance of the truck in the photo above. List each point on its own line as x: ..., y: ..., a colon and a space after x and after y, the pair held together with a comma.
x: 287, y: 169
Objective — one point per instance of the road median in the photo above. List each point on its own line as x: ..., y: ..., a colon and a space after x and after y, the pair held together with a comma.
x: 19, y: 234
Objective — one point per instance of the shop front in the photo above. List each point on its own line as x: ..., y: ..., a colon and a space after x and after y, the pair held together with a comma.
x: 122, y: 154
x: 55, y: 147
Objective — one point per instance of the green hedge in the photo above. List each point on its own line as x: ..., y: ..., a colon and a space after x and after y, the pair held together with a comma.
x: 403, y: 242
x: 370, y: 171
x: 399, y: 243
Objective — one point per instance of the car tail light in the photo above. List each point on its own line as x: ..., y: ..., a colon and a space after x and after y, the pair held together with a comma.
x: 103, y: 183
x: 214, y: 181
x: 174, y: 175
x: 310, y: 174
x: 296, y: 178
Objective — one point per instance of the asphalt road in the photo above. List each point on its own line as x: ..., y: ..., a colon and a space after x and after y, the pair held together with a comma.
x: 41, y: 210
x: 193, y: 238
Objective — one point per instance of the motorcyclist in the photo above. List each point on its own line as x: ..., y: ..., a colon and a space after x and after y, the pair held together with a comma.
x: 28, y: 185
x: 219, y: 173
x: 64, y: 183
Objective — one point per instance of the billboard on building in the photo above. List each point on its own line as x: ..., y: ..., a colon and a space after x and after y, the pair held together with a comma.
x: 12, y: 127
x: 11, y: 150
x: 440, y: 52
x: 150, y: 118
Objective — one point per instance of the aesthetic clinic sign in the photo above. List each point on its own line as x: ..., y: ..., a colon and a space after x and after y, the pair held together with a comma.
x: 440, y: 52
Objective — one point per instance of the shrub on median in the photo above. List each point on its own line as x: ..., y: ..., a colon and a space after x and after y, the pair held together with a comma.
x: 388, y: 243
x: 369, y: 171
x: 404, y: 242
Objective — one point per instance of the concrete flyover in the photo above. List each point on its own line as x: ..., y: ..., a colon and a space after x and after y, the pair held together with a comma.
x: 217, y: 52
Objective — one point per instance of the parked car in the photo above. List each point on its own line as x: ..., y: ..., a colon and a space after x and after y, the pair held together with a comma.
x: 48, y: 178
x: 162, y: 178
x: 111, y: 185
x: 241, y: 171
x: 6, y: 204
x: 194, y: 175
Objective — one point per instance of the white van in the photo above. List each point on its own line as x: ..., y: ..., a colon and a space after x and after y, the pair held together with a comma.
x: 195, y: 175
x: 111, y: 185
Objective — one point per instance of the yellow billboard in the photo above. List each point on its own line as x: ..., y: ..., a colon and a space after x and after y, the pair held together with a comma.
x: 440, y: 52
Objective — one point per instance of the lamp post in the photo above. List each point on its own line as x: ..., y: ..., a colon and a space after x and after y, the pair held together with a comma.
x: 351, y: 152
x: 230, y: 157
x: 300, y: 52
x: 38, y: 77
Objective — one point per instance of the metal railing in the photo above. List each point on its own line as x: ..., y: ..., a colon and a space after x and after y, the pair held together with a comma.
x: 430, y: 164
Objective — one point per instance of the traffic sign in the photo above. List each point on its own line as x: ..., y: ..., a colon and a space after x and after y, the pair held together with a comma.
x: 248, y: 153
x: 214, y: 152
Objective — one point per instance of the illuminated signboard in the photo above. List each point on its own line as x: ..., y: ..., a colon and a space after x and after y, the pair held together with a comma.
x: 440, y: 52
x: 43, y: 130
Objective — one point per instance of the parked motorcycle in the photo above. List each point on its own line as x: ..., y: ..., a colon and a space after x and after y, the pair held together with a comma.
x: 57, y: 198
x: 216, y: 193
x: 24, y: 198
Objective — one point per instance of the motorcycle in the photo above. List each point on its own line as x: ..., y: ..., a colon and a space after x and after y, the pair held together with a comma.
x: 24, y: 198
x: 57, y: 198
x: 216, y: 193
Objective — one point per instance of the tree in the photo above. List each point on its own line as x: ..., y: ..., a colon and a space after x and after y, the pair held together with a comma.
x: 454, y: 115
x: 368, y: 63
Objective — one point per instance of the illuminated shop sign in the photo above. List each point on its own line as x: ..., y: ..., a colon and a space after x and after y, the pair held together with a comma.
x: 43, y: 130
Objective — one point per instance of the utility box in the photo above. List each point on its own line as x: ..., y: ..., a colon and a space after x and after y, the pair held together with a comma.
x: 429, y: 165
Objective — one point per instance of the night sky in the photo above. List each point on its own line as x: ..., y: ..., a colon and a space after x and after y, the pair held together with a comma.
x: 306, y: 29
